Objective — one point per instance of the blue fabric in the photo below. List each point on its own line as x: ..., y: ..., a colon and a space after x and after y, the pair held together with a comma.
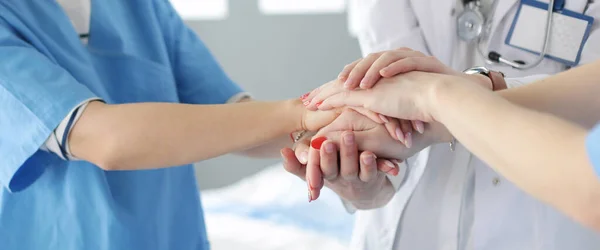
x: 593, y: 148
x: 138, y: 51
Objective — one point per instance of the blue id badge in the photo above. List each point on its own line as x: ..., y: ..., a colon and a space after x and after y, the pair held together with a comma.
x: 568, y: 34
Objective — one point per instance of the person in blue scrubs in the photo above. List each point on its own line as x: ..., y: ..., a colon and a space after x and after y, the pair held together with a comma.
x: 98, y: 130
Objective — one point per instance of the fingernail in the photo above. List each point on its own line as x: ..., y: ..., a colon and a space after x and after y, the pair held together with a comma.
x: 363, y: 83
x: 304, y: 96
x: 383, y: 118
x: 369, y: 159
x: 399, y: 134
x: 408, y: 139
x: 420, y: 127
x: 306, y: 103
x: 390, y: 164
x: 349, y: 139
x: 303, y: 157
x: 396, y: 161
x: 319, y: 104
x: 317, y: 142
x: 329, y: 148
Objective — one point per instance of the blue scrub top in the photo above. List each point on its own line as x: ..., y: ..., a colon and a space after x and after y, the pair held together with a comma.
x: 138, y: 51
x: 593, y: 148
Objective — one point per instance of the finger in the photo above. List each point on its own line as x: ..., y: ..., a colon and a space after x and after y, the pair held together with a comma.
x: 358, y: 72
x: 349, y: 157
x: 329, y: 161
x: 378, y: 118
x: 368, y: 167
x: 314, y: 176
x: 404, y: 49
x: 348, y: 98
x: 331, y: 89
x: 424, y: 63
x: 306, y: 101
x: 407, y: 129
x: 394, y: 129
x: 373, y: 73
x: 388, y: 166
x: 347, y: 69
x: 291, y: 163
x: 419, y: 126
x: 301, y: 150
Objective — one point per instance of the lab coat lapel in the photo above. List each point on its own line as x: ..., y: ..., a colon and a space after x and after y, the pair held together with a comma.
x: 502, y: 9
x: 438, y: 26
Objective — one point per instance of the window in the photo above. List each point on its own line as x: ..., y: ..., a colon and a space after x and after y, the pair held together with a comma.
x: 301, y: 6
x: 202, y: 9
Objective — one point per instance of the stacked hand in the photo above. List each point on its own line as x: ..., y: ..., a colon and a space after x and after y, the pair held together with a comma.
x: 391, y: 85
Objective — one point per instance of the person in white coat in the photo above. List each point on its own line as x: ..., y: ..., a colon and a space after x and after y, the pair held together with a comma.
x: 450, y: 199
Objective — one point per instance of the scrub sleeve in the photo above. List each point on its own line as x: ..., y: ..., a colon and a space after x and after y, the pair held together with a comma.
x: 35, y: 95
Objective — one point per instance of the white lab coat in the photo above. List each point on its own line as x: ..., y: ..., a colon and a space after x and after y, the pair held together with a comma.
x: 505, y: 218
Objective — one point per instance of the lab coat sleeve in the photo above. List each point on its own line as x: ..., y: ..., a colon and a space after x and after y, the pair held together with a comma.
x: 520, y: 81
x: 35, y: 95
x: 200, y: 79
x: 384, y: 25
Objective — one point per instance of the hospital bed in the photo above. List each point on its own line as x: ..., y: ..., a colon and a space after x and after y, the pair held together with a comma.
x: 270, y: 211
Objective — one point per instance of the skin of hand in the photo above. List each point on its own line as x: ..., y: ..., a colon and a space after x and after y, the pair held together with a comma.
x: 361, y: 186
x: 368, y: 71
x: 407, y: 96
x: 362, y: 193
x: 400, y: 130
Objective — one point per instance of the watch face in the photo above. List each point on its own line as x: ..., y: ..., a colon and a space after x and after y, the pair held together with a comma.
x: 469, y: 25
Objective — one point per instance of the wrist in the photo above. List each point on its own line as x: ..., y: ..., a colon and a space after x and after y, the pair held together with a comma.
x: 295, y: 112
x: 482, y: 80
x: 439, y: 95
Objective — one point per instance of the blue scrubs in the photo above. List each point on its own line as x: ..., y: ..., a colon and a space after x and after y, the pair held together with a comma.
x: 593, y: 148
x: 138, y: 51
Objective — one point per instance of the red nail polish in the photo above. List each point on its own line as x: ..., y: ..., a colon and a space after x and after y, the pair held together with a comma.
x: 317, y: 142
x: 319, y: 103
x: 304, y: 96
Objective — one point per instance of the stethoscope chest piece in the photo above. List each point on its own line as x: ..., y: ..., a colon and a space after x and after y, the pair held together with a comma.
x: 470, y: 23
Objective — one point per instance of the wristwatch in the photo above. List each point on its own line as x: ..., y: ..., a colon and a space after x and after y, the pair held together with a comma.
x: 496, y: 77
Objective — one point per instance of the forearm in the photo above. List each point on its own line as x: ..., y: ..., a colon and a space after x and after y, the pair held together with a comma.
x: 540, y: 153
x: 572, y: 95
x: 154, y: 135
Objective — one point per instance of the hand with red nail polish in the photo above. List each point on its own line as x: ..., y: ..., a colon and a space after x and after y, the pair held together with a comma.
x: 358, y: 172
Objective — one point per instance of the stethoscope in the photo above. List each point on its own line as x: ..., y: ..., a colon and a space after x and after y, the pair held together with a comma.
x: 473, y: 26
